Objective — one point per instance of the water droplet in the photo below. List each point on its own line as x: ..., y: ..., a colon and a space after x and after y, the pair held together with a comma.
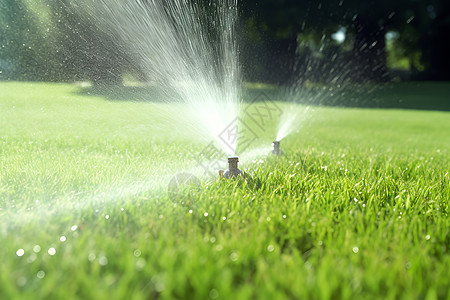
x: 234, y: 256
x: 102, y: 261
x: 205, y: 214
x: 51, y: 251
x: 270, y: 248
x: 37, y: 248
x: 63, y: 238
x: 21, y: 281
x: 158, y: 281
x: 91, y: 257
x: 40, y: 274
x: 355, y: 249
x: 190, y: 211
x: 20, y: 252
x: 107, y: 217
x: 31, y: 258
x: 74, y: 227
x: 224, y: 218
x: 137, y: 253
x: 213, y: 294
x: 284, y: 216
x: 140, y: 264
x: 428, y: 237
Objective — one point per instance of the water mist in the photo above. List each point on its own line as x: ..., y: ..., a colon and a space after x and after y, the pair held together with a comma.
x: 186, y: 49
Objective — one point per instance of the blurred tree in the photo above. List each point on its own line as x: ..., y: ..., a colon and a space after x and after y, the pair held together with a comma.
x: 272, y: 28
x: 434, y: 29
x: 21, y: 45
x: 50, y: 40
x: 277, y: 25
x: 86, y: 51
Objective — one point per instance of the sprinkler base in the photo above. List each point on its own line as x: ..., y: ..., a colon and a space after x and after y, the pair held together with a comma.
x: 232, y: 174
x: 233, y: 170
x: 276, y: 148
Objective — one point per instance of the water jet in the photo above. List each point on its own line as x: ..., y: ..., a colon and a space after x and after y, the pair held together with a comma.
x: 188, y: 52
x: 233, y: 170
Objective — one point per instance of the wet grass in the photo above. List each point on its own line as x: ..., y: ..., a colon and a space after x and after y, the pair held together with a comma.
x: 357, y: 208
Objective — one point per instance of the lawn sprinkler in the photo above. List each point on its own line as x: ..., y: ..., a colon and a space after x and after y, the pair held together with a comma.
x: 276, y: 148
x: 233, y: 170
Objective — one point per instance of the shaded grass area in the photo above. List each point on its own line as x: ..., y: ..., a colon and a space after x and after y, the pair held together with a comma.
x: 357, y: 208
x: 407, y: 95
x: 139, y: 93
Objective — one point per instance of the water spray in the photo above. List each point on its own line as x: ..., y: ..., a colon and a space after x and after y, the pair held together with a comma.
x: 276, y: 148
x: 233, y: 170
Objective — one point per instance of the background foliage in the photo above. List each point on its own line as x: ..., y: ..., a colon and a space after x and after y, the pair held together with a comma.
x: 281, y: 41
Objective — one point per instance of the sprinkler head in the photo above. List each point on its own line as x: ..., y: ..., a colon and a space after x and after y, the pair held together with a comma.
x: 233, y: 170
x: 276, y: 148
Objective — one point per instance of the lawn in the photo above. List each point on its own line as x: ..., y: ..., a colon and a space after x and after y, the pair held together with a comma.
x: 356, y: 208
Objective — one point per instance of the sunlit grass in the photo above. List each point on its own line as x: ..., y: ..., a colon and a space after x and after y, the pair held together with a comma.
x: 357, y: 208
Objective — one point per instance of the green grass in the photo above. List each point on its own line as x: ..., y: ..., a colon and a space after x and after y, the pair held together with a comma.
x: 357, y: 208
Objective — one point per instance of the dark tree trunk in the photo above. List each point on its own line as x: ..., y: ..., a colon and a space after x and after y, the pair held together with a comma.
x: 369, y: 52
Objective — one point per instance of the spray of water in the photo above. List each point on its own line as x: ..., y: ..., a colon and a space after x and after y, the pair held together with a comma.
x: 186, y: 49
x: 254, y: 155
x: 291, y: 119
x: 75, y: 202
